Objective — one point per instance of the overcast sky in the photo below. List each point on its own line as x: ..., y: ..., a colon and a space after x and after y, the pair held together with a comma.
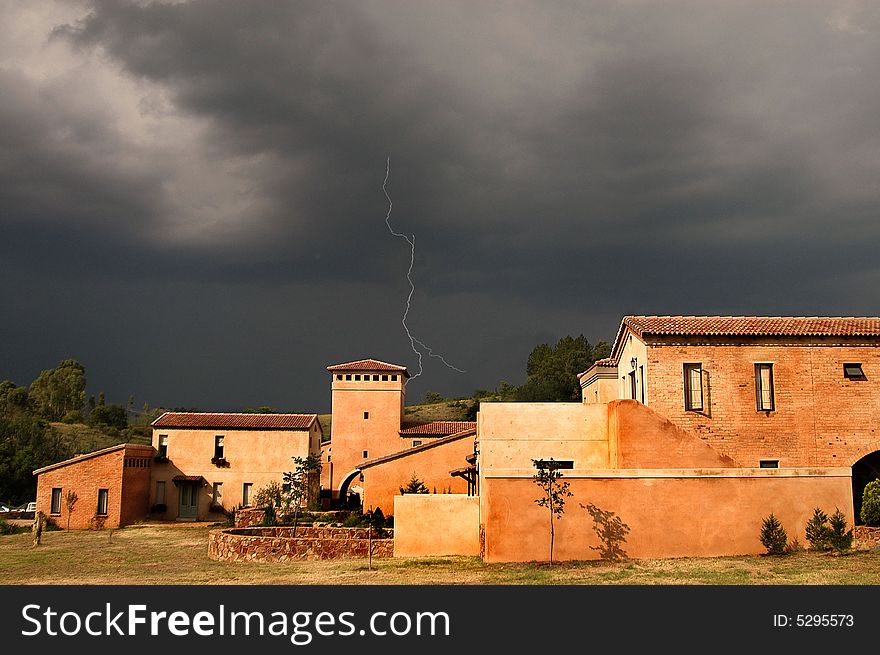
x: 191, y: 192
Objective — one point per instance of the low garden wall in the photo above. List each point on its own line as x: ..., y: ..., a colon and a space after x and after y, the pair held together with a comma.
x: 277, y: 544
x: 246, y: 517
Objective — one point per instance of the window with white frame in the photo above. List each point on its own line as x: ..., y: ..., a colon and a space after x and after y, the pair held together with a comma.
x: 764, y: 387
x: 693, y: 387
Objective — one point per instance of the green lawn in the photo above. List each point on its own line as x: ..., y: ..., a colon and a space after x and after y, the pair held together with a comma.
x: 178, y: 555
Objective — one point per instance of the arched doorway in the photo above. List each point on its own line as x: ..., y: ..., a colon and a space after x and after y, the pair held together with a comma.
x: 863, y: 471
x: 344, y: 499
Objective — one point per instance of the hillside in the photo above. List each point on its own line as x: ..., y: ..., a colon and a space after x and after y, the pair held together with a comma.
x: 80, y: 438
x: 448, y: 410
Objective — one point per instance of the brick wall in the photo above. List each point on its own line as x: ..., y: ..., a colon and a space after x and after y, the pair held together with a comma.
x: 820, y: 418
x: 127, y: 487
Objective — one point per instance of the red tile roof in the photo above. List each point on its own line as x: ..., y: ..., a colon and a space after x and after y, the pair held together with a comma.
x: 235, y: 421
x: 776, y: 326
x: 438, y: 428
x: 406, y: 452
x: 139, y: 450
x: 368, y: 365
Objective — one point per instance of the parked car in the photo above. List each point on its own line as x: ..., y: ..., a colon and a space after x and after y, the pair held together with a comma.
x: 3, y: 509
x: 31, y: 507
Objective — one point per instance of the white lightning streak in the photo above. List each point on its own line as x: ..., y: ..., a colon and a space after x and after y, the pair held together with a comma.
x: 412, y: 287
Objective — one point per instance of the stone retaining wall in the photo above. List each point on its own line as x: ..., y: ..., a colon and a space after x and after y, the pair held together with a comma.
x: 249, y: 516
x: 266, y: 544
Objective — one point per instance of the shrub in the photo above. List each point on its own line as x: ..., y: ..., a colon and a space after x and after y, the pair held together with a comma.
x: 773, y: 536
x: 355, y: 521
x: 871, y: 503
x: 414, y: 486
x: 269, y: 517
x: 73, y: 416
x: 840, y: 538
x: 10, y: 528
x: 793, y: 546
x: 818, y: 532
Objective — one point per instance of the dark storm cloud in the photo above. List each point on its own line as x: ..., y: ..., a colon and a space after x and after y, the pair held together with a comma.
x: 560, y: 164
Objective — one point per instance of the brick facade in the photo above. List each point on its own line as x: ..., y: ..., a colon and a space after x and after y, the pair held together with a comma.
x: 123, y: 470
x: 820, y: 418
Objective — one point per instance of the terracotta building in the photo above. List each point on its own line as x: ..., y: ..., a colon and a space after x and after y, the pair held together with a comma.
x: 111, y: 487
x: 207, y: 463
x: 692, y: 431
x: 766, y: 391
x: 373, y: 452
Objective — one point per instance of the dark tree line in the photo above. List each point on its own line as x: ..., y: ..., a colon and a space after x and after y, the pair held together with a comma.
x: 28, y: 441
x: 551, y: 372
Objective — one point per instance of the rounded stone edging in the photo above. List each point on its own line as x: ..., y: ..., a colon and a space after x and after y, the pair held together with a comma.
x: 276, y: 544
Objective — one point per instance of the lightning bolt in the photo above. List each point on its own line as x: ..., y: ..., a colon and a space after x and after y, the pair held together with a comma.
x: 412, y: 287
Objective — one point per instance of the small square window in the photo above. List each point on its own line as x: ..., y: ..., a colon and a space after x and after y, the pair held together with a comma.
x: 416, y: 443
x: 394, y: 378
x: 339, y: 376
x: 348, y: 377
x: 357, y: 378
x: 769, y: 464
x: 384, y: 378
x: 853, y: 372
x: 366, y: 415
x: 375, y: 378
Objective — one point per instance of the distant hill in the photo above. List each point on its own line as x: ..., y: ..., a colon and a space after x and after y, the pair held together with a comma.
x: 448, y: 410
x: 80, y: 438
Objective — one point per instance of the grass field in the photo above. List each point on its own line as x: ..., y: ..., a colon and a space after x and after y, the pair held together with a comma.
x: 178, y: 555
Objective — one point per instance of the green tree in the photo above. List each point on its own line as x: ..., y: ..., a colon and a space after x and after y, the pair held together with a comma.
x: 552, y: 370
x: 839, y: 537
x: 111, y: 416
x: 773, y: 535
x: 26, y: 443
x: 13, y: 399
x: 818, y: 532
x: 553, y: 493
x: 870, y: 511
x: 59, y: 390
x: 303, y: 481
x: 432, y: 398
x: 414, y: 486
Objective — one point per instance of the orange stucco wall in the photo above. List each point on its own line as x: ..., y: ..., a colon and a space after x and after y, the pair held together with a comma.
x: 431, y: 465
x: 513, y: 434
x: 700, y: 512
x: 124, y: 472
x: 641, y: 438
x: 259, y: 457
x: 436, y: 524
x: 378, y: 435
